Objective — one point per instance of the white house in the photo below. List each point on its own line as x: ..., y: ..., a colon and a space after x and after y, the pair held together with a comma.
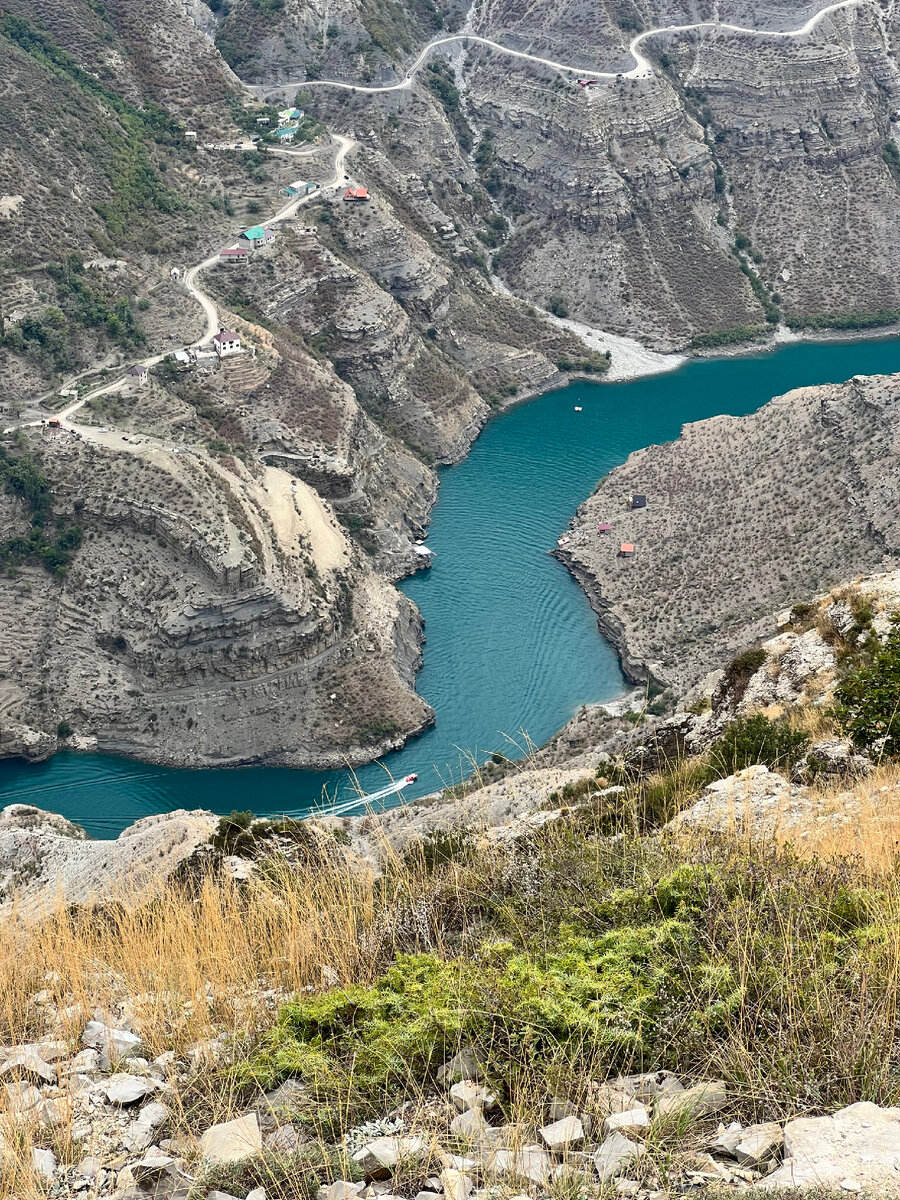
x: 227, y: 342
x: 137, y: 375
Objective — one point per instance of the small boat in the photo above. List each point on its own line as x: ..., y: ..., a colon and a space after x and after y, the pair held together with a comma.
x: 578, y: 408
x: 390, y: 790
x: 563, y: 541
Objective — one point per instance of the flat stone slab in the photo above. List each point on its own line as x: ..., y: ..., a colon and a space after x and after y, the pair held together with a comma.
x: 701, y: 1100
x: 377, y: 1159
x: 614, y: 1155
x: 128, y: 1089
x: 529, y: 1163
x: 232, y: 1141
x: 856, y: 1149
x: 566, y: 1132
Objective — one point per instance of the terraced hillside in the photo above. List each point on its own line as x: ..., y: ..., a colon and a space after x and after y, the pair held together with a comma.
x: 749, y: 179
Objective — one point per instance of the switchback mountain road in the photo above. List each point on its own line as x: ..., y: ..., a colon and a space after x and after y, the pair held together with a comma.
x: 642, y: 68
x: 343, y: 146
x: 289, y: 210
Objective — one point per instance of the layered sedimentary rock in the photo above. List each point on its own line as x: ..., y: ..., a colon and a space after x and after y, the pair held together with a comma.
x: 747, y: 177
x: 743, y: 516
x: 216, y: 610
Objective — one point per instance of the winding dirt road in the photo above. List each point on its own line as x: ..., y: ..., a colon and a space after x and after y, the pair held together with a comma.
x: 344, y: 145
x: 343, y: 148
x: 642, y: 68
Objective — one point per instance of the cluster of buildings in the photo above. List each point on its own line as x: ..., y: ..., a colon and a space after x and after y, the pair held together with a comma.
x: 626, y: 549
x: 224, y: 344
x: 288, y: 121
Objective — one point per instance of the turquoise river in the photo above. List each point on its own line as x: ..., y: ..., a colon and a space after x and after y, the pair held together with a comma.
x: 512, y: 645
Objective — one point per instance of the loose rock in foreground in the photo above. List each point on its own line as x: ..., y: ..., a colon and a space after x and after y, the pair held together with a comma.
x: 232, y: 1141
x: 859, y: 1144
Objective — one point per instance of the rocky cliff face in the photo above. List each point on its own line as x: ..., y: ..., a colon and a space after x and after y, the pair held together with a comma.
x: 670, y: 206
x: 743, y: 516
x: 214, y: 613
x: 639, y: 191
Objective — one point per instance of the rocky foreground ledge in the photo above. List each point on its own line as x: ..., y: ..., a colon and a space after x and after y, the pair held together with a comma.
x: 579, y: 978
x: 121, y: 1108
x: 46, y: 861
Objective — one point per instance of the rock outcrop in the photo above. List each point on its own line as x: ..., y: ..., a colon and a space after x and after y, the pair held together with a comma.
x: 857, y: 1149
x: 215, y: 612
x: 793, y: 499
x: 47, y: 862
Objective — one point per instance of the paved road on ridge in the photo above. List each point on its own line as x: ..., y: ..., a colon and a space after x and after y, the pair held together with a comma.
x: 641, y: 70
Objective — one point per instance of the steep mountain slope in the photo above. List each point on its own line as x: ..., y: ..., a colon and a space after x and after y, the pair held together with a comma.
x: 674, y: 206
x: 744, y: 516
x: 194, y: 608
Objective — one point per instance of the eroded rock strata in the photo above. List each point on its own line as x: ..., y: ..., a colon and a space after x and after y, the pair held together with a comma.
x: 743, y: 516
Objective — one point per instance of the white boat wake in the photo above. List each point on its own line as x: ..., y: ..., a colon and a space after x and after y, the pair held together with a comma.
x: 370, y: 797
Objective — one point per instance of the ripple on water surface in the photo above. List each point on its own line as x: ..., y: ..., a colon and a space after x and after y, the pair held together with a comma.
x: 512, y: 643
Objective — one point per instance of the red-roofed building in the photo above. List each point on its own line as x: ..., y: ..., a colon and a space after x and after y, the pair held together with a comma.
x: 234, y: 254
x: 626, y: 550
x: 356, y: 194
x: 226, y: 342
x: 604, y: 528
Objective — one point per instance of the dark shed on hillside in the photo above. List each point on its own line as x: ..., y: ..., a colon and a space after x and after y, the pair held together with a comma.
x: 638, y: 501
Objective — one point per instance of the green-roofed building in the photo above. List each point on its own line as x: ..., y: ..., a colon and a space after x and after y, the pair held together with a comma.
x: 258, y: 237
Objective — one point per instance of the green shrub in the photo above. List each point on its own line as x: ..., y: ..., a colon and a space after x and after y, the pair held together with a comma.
x: 733, y: 336
x: 739, y: 672
x: 844, y: 320
x: 21, y: 475
x: 134, y: 182
x: 557, y: 305
x: 439, y: 81
x: 439, y: 847
x: 868, y: 698
x: 233, y: 833
x: 626, y: 957
x: 757, y: 740
x: 63, y: 729
x: 592, y: 995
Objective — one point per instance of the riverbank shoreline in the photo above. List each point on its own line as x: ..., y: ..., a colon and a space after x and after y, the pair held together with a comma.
x: 510, y: 646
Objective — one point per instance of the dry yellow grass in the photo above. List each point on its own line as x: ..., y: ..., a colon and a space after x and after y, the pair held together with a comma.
x: 859, y: 819
x: 194, y: 963
x: 184, y: 968
x: 815, y: 720
x: 186, y: 961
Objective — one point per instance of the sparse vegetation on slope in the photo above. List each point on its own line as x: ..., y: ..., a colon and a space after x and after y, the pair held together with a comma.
x: 868, y: 698
x: 136, y: 184
x: 51, y: 338
x: 49, y: 541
